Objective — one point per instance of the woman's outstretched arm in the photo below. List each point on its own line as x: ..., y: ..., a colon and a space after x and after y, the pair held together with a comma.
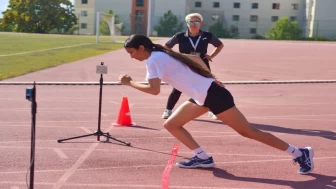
x: 153, y: 86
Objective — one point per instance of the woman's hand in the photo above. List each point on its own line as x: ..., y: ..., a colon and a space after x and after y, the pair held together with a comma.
x: 125, y: 79
x: 208, y: 57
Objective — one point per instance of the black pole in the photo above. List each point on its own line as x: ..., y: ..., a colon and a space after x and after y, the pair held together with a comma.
x: 32, y: 148
x: 100, y: 102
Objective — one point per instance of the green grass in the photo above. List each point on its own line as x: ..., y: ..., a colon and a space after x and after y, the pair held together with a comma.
x: 20, y: 64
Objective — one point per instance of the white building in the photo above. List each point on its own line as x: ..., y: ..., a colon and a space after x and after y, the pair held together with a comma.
x: 321, y: 18
x: 251, y: 17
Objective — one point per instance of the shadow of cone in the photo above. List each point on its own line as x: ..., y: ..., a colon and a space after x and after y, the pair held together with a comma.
x: 124, y: 117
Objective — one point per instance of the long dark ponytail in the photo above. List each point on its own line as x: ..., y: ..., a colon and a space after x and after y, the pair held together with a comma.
x: 136, y: 40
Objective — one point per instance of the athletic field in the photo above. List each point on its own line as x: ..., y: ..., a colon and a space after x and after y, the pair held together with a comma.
x: 283, y: 87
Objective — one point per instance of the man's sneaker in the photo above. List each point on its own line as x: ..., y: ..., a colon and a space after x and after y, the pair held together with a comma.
x: 166, y: 114
x: 196, y: 162
x: 213, y: 116
x: 306, y: 161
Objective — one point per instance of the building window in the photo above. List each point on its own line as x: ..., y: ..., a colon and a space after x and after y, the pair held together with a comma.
x: 139, y: 15
x: 83, y: 25
x: 236, y: 5
x: 139, y: 3
x: 198, y: 4
x: 275, y: 18
x: 295, y: 6
x: 84, y: 1
x: 216, y: 4
x: 235, y: 17
x: 83, y: 13
x: 276, y: 6
x: 292, y: 18
x: 253, y: 18
x: 255, y: 5
x: 215, y: 17
x: 253, y: 30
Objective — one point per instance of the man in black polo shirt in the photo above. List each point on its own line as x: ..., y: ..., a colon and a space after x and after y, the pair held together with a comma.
x: 193, y: 41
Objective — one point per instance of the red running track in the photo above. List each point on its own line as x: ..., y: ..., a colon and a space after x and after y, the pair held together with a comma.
x: 301, y: 114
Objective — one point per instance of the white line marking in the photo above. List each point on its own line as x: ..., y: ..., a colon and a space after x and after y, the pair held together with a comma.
x: 95, y: 185
x: 58, y: 112
x: 139, y: 150
x: 269, y: 160
x: 229, y: 162
x: 60, y: 153
x: 85, y: 129
x: 297, y: 119
x: 149, y: 186
x: 75, y: 166
x: 148, y: 166
x: 103, y: 114
x: 170, y: 137
x: 58, y: 121
x: 24, y: 183
x: 14, y: 187
x: 27, y: 52
x: 288, y: 116
x: 276, y: 82
x: 70, y: 171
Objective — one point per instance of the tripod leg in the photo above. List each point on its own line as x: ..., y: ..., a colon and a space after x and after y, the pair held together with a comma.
x: 60, y: 140
x: 107, y: 135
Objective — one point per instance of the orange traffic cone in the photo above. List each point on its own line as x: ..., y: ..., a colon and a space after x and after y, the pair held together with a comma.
x: 124, y: 117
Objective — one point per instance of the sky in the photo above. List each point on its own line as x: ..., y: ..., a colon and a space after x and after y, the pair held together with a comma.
x: 4, y: 4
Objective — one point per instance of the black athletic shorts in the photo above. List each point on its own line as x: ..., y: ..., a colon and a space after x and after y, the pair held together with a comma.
x: 218, y: 99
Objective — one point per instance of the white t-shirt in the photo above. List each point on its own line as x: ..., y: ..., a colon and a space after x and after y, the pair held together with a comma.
x: 161, y: 65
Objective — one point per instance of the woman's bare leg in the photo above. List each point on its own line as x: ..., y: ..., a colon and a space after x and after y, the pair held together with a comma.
x: 183, y: 114
x: 236, y: 120
x: 186, y: 112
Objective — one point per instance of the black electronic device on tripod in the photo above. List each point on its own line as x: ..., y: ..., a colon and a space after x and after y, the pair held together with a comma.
x: 101, y: 69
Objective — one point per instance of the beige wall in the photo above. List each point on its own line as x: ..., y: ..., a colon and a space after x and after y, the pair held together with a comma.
x: 322, y: 18
x: 89, y: 20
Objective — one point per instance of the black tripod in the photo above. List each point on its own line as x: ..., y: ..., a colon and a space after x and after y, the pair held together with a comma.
x: 100, y: 69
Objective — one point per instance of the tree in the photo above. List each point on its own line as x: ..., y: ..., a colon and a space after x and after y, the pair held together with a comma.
x: 221, y: 32
x: 169, y: 25
x: 234, y: 30
x: 285, y: 29
x: 7, y: 28
x: 38, y: 16
x: 104, y: 28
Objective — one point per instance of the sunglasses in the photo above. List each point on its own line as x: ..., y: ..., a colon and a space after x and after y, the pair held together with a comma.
x: 193, y: 22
